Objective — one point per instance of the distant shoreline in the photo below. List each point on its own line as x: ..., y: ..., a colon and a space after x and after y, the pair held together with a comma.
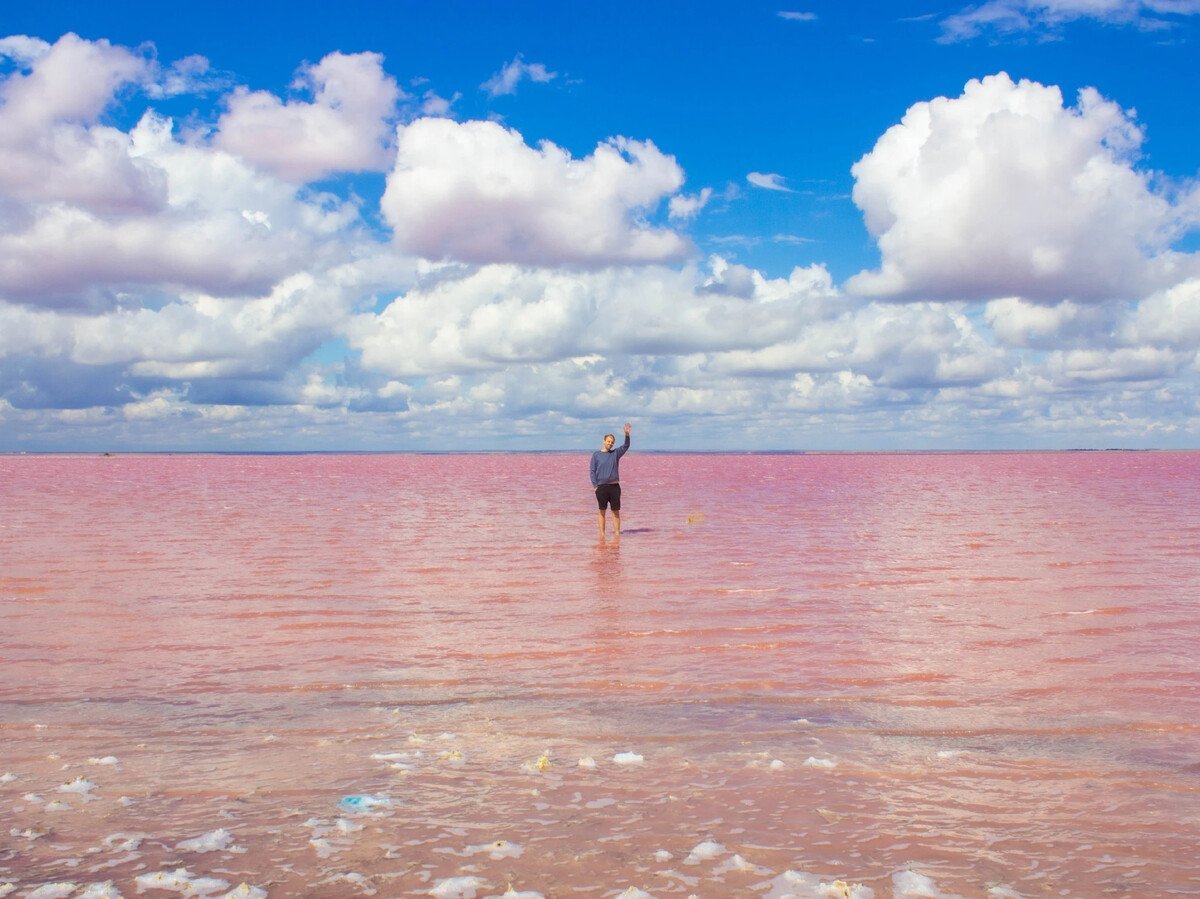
x: 588, y: 449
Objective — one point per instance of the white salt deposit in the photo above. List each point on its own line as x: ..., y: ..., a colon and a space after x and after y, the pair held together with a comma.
x: 1002, y: 891
x: 6, y: 778
x: 6, y: 888
x: 396, y: 756
x: 52, y: 891
x: 105, y: 760
x: 911, y: 885
x: 219, y: 840
x: 510, y: 893
x: 737, y: 863
x: 458, y: 888
x: 104, y: 890
x: 181, y: 880
x: 776, y: 765
x: 703, y: 852
x: 587, y: 763
x: 323, y: 847
x: 951, y: 753
x: 628, y: 758
x: 799, y: 885
x: 814, y: 762
x: 33, y: 798
x: 57, y: 805
x: 497, y: 849
x: 453, y: 757
x: 29, y: 833
x: 634, y: 893
x: 662, y: 856
x: 245, y: 891
x: 359, y: 880
x: 124, y: 842
x: 80, y: 785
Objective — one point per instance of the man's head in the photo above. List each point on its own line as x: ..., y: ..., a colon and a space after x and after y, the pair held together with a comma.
x: 609, y: 440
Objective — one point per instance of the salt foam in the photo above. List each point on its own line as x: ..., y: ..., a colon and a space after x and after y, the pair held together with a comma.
x: 628, y: 758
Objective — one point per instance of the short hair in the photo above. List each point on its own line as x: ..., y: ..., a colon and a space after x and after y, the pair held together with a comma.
x: 606, y: 436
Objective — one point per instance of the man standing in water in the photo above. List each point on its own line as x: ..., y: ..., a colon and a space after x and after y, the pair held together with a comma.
x: 606, y: 479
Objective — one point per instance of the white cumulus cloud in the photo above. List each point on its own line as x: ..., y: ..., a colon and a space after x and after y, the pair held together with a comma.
x: 476, y: 192
x: 1004, y: 191
x: 346, y: 126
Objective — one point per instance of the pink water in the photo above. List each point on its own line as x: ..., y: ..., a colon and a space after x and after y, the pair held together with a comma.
x: 983, y: 669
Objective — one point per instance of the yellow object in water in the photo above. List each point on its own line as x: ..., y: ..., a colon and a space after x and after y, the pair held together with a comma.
x: 695, y: 518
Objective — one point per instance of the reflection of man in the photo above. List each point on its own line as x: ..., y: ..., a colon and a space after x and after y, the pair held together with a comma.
x: 606, y: 479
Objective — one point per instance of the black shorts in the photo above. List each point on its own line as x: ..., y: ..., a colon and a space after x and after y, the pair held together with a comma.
x: 607, y: 494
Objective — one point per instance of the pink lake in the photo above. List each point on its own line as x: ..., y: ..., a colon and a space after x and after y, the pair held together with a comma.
x: 922, y: 675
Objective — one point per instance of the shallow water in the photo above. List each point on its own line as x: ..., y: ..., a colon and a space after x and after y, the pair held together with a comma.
x: 980, y: 668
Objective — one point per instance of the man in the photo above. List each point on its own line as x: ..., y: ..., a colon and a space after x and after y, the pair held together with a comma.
x: 606, y: 479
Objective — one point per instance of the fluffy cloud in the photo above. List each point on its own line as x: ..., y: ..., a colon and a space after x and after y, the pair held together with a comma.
x: 506, y: 80
x: 51, y: 147
x: 476, y: 192
x: 1005, y: 192
x: 1014, y: 16
x: 345, y: 128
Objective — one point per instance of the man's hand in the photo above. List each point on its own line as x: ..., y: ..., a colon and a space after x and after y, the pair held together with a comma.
x: 626, y: 429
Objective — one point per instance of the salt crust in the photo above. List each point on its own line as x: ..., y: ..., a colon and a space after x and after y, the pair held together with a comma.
x: 360, y: 881
x: 6, y: 778
x: 703, y: 852
x: 219, y: 840
x: 510, y: 893
x: 587, y: 763
x: 628, y: 758
x: 6, y: 888
x: 104, y: 890
x: 124, y: 842
x: 799, y: 885
x: 53, y: 891
x: 80, y: 785
x: 497, y: 850
x: 634, y: 893
x: 911, y: 885
x: 181, y: 880
x: 814, y: 762
x: 458, y: 887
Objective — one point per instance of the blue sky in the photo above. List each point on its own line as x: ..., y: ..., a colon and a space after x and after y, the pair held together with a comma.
x: 476, y: 225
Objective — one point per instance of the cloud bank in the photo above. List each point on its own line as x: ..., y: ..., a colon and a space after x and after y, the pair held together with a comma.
x: 223, y: 285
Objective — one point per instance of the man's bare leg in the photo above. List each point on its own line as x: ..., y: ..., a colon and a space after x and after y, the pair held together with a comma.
x: 616, y: 523
x: 600, y: 520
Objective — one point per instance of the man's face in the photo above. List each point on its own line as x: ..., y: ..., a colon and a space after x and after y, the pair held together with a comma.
x: 609, y: 440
